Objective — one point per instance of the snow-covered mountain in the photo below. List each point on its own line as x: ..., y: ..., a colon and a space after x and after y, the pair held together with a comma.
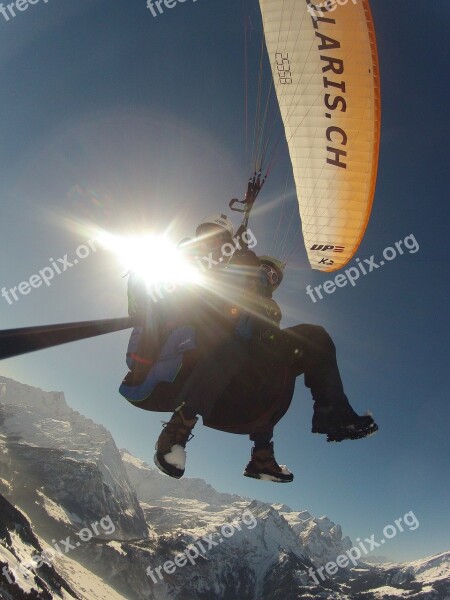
x: 198, y: 507
x: 50, y: 450
x: 19, y: 580
x: 107, y: 525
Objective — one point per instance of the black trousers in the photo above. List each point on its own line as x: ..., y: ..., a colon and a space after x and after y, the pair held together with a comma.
x: 306, y: 349
x: 309, y: 350
x: 226, y: 367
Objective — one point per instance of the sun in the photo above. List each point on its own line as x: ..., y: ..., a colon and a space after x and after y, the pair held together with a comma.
x: 154, y: 258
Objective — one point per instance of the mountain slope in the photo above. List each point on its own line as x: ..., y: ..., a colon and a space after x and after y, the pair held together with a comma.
x: 117, y: 528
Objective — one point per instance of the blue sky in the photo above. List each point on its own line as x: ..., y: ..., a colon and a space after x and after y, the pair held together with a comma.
x: 148, y: 115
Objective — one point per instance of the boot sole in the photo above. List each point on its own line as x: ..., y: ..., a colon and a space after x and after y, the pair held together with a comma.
x: 266, y: 477
x: 340, y: 436
x: 170, y: 470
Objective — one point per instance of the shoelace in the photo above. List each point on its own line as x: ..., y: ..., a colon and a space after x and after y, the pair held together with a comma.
x: 179, y: 432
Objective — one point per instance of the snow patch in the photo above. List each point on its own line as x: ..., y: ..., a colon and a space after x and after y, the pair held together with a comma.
x: 387, y: 590
x: 86, y: 584
x: 176, y: 457
x: 25, y: 579
x: 117, y: 547
x: 56, y: 511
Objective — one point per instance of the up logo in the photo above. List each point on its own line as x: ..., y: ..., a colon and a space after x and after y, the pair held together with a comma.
x: 326, y: 247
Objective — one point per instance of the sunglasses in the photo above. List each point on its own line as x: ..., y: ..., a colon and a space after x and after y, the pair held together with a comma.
x: 270, y: 273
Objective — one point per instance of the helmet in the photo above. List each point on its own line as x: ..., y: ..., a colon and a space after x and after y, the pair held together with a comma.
x: 219, y: 220
x: 273, y: 269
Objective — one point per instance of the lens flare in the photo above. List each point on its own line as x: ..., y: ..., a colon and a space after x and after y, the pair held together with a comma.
x: 155, y: 259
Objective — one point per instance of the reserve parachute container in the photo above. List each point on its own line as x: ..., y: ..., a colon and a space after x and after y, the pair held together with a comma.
x: 325, y: 70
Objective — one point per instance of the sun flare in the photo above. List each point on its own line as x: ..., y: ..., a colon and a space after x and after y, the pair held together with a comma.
x: 155, y: 259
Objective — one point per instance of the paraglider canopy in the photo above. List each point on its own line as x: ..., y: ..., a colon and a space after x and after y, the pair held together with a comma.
x: 325, y: 72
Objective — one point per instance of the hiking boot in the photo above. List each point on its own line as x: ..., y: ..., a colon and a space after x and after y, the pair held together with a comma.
x: 170, y: 456
x: 264, y: 466
x: 342, y: 423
